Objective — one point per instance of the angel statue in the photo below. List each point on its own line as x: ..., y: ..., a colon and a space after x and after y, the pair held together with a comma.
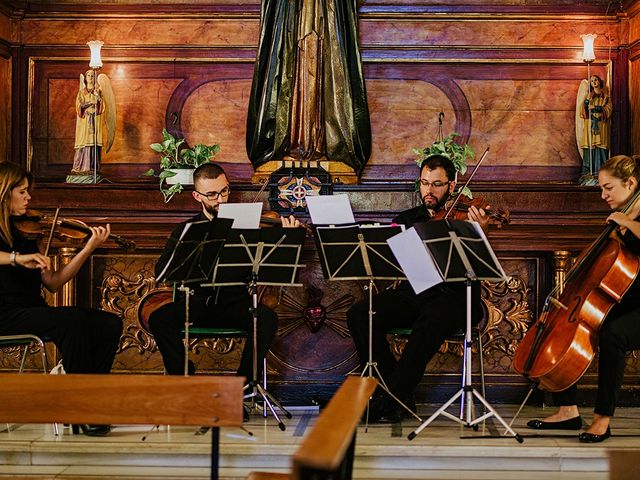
x: 95, y: 114
x: 593, y: 127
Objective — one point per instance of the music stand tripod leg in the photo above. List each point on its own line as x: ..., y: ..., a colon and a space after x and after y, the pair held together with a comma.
x: 372, y: 366
x: 257, y: 390
x: 187, y: 294
x: 467, y: 389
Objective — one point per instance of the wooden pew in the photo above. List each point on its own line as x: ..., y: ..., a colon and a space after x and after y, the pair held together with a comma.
x: 328, y: 450
x: 124, y: 399
x: 624, y: 464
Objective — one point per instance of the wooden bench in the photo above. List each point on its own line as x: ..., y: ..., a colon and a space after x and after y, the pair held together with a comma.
x: 624, y: 464
x: 124, y: 399
x: 328, y: 450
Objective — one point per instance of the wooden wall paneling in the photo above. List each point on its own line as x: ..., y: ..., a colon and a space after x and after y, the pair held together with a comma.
x: 497, y: 106
x: 203, y: 97
x: 5, y: 107
x: 491, y: 105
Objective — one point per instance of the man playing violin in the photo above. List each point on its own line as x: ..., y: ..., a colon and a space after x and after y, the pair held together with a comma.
x: 210, y: 307
x: 620, y: 332
x: 86, y: 337
x: 432, y: 315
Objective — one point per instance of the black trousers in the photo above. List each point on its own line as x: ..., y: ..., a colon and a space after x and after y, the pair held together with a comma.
x: 620, y: 334
x: 86, y: 337
x: 167, y: 322
x: 433, y: 316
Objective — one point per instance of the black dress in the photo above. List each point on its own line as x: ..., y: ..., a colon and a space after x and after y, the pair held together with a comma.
x: 86, y: 337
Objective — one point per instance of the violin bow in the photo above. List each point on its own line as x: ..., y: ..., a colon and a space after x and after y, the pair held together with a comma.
x: 53, y: 227
x: 473, y: 172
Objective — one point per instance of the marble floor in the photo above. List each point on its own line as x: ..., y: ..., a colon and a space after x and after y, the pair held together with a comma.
x: 443, y: 450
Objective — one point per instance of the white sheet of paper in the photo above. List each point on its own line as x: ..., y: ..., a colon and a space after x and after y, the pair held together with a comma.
x: 415, y: 260
x: 244, y: 215
x: 330, y: 209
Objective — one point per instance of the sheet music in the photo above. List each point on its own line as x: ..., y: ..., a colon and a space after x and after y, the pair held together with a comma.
x: 330, y: 209
x: 416, y: 262
x: 244, y: 215
x: 173, y: 254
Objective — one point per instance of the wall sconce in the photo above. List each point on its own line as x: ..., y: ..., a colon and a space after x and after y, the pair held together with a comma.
x: 96, y: 60
x: 588, y: 55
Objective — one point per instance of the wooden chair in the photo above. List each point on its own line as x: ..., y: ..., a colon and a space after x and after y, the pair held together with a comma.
x: 125, y: 399
x: 327, y: 452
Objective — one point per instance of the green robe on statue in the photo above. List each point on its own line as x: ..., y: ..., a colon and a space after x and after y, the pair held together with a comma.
x: 308, y: 97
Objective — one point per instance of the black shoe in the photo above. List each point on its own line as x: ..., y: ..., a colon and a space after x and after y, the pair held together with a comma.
x: 246, y: 413
x: 92, y: 430
x: 574, y: 423
x: 594, y: 437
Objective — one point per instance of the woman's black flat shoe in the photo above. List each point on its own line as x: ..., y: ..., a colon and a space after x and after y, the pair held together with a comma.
x: 574, y: 423
x: 92, y: 430
x: 594, y: 437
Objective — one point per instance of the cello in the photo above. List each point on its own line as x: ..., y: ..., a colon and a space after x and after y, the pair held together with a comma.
x: 558, y: 348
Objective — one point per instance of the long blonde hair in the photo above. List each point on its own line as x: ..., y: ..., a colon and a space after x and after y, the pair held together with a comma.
x: 11, y: 175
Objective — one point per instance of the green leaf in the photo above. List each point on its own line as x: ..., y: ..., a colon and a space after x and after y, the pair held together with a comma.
x: 447, y: 147
x: 149, y: 173
x: 166, y: 174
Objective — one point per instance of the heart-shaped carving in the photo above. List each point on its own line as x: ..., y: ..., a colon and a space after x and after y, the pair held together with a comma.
x: 315, y: 317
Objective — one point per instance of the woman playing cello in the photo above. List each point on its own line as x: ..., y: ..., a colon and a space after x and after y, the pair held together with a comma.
x: 87, y: 338
x: 618, y: 178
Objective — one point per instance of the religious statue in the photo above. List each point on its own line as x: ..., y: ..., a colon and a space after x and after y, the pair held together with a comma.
x: 95, y: 115
x: 593, y: 127
x: 308, y: 99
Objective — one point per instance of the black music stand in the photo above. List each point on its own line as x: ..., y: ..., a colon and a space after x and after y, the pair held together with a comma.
x: 192, y: 261
x: 355, y: 252
x: 460, y: 252
x: 252, y: 257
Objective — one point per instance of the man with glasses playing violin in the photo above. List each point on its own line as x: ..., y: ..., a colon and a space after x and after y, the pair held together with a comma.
x: 433, y: 315
x: 217, y: 307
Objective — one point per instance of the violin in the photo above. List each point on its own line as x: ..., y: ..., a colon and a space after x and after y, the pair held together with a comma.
x: 269, y: 217
x: 35, y: 225
x: 457, y: 208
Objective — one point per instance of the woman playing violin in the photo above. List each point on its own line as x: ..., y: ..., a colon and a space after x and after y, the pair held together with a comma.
x: 87, y: 338
x: 620, y: 333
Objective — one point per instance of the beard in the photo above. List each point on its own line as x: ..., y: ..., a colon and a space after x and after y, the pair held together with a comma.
x: 432, y: 202
x: 211, y: 209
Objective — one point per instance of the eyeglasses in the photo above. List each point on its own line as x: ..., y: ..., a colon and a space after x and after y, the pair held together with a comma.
x: 213, y: 196
x: 436, y: 184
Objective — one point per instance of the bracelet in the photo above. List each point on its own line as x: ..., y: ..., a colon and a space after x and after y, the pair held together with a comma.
x: 12, y: 259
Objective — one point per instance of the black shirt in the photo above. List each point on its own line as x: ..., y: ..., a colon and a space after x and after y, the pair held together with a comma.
x: 20, y: 286
x: 218, y: 294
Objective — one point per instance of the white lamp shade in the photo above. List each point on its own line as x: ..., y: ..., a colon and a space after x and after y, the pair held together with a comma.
x: 588, y: 55
x: 96, y: 60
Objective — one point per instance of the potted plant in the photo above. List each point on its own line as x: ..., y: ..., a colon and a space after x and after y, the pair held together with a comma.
x: 447, y: 147
x: 177, y: 163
